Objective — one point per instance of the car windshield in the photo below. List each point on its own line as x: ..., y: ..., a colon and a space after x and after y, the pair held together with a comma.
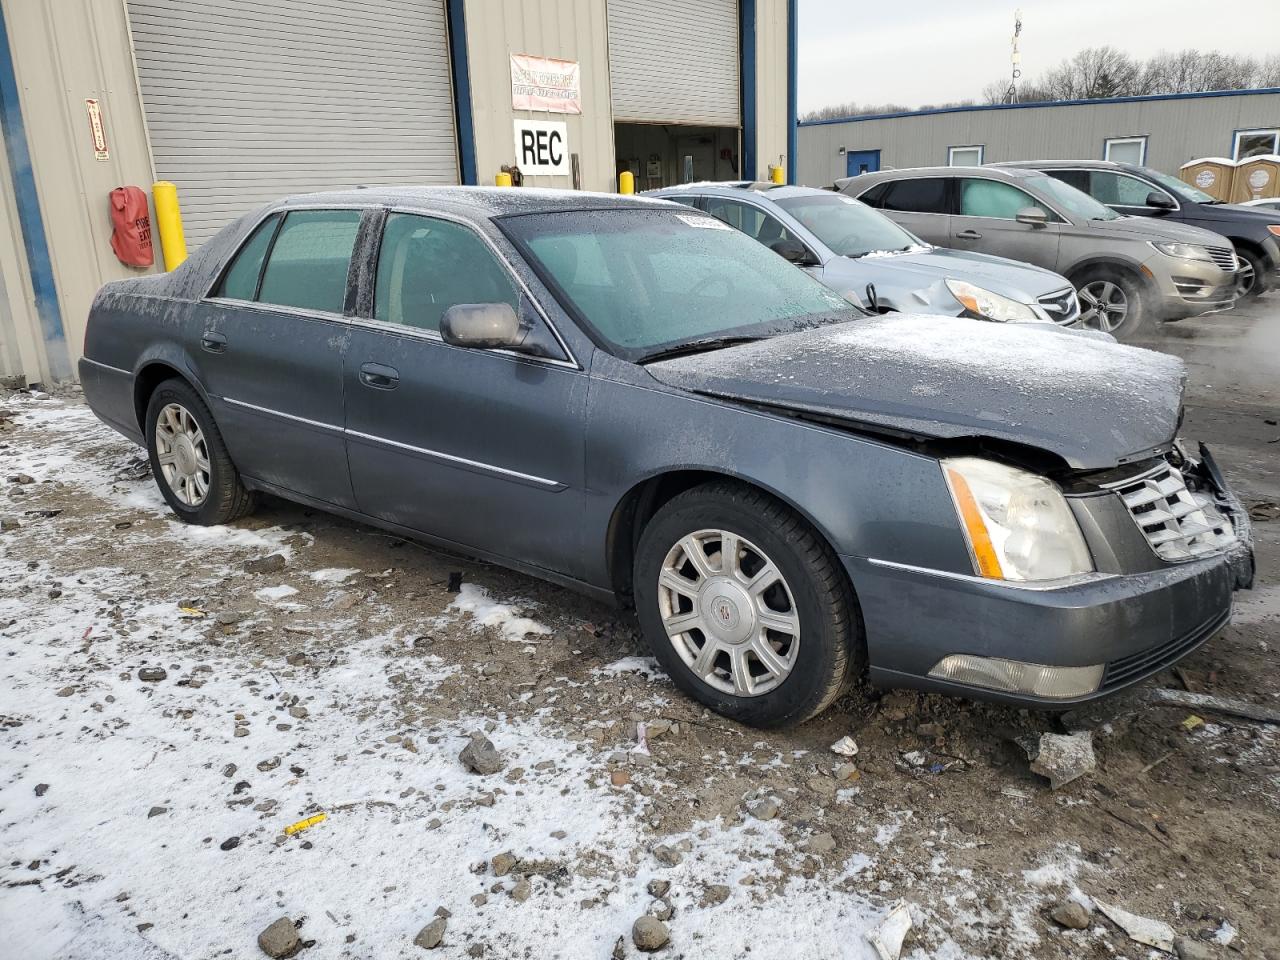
x: 1076, y: 202
x: 1176, y: 186
x: 849, y: 228
x: 649, y: 281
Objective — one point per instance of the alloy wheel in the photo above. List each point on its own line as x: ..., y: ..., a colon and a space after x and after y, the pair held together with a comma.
x: 1103, y: 305
x: 1245, y: 279
x: 729, y: 613
x: 182, y: 454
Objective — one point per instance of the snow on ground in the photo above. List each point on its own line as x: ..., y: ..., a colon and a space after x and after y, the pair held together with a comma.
x: 487, y: 612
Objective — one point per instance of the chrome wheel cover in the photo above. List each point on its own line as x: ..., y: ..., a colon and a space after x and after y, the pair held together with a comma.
x: 182, y: 454
x: 1103, y: 305
x: 1245, y: 278
x: 729, y: 613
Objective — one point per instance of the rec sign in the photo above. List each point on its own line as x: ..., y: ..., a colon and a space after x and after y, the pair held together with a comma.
x: 542, y: 147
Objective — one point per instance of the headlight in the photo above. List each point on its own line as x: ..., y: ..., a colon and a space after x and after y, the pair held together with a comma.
x: 990, y: 305
x: 1017, y: 524
x: 1182, y: 251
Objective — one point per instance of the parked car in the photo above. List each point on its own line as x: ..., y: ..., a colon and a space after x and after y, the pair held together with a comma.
x: 630, y: 398
x: 1125, y: 268
x: 1266, y: 203
x: 1141, y: 191
x: 849, y: 246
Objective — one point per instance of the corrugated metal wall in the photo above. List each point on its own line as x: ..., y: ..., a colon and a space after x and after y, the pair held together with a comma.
x: 1177, y: 131
x: 562, y: 29
x: 675, y: 63
x: 247, y: 100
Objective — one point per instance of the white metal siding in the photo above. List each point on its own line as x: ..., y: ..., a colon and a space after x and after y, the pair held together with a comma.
x: 249, y: 100
x: 674, y: 63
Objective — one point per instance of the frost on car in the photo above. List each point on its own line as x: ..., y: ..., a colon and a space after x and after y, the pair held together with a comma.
x: 629, y: 398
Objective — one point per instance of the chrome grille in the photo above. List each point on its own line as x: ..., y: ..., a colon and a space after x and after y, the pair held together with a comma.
x: 1062, y: 306
x: 1225, y: 257
x: 1180, y: 524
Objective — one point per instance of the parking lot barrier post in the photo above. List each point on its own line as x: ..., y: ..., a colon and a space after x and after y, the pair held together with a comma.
x: 503, y: 179
x: 626, y: 182
x: 173, y: 242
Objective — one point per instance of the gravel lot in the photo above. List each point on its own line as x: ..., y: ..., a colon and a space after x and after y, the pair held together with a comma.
x: 171, y: 699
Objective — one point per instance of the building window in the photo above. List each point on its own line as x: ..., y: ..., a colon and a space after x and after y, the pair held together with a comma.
x: 1256, y: 143
x: 964, y: 156
x: 1126, y: 150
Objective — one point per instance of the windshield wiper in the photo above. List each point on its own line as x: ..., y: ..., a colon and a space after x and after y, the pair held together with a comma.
x: 700, y: 346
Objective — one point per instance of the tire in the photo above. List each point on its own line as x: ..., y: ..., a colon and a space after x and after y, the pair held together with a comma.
x: 821, y: 648
x: 222, y: 497
x: 1099, y: 285
x: 1256, y: 282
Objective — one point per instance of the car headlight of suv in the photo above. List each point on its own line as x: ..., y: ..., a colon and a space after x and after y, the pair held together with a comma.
x: 1017, y: 524
x: 991, y: 306
x: 1182, y: 251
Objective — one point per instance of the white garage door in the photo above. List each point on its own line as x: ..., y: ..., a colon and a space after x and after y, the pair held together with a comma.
x: 249, y: 100
x: 674, y: 63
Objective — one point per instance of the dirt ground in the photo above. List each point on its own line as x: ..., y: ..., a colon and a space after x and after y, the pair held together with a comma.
x: 345, y: 677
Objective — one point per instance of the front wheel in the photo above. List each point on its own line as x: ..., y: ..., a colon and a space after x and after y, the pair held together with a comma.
x: 745, y: 606
x: 1111, y: 302
x: 189, y: 460
x: 1250, y: 278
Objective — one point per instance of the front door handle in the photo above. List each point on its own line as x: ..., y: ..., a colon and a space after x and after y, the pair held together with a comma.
x: 968, y: 235
x: 379, y: 376
x: 213, y: 341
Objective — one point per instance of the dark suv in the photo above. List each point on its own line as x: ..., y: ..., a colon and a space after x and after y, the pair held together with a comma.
x: 1140, y: 191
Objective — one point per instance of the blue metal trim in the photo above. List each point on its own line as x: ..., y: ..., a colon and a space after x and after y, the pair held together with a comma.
x: 1041, y: 103
x: 792, y: 103
x: 461, y: 69
x: 29, y: 219
x: 748, y: 168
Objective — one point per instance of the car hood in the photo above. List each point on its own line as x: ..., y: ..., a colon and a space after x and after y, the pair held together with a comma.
x: 1237, y: 213
x: 1021, y: 281
x: 1091, y: 401
x: 1149, y: 228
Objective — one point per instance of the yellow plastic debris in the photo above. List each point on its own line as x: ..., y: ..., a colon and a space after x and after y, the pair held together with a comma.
x: 1192, y: 722
x: 192, y: 612
x: 301, y: 825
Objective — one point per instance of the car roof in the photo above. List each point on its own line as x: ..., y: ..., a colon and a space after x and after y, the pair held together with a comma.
x: 731, y: 188
x: 478, y: 202
x: 1064, y: 164
x: 907, y: 172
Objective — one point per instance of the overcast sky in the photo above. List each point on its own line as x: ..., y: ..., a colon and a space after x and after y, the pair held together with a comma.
x: 928, y: 51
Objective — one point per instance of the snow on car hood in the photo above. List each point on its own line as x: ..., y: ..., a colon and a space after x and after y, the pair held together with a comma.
x: 920, y: 267
x: 1091, y: 401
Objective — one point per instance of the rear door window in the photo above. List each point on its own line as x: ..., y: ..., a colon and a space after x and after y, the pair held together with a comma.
x: 240, y: 282
x: 994, y: 199
x: 923, y: 195
x: 309, y: 261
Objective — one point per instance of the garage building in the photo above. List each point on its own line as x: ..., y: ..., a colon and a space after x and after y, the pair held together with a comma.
x: 240, y: 101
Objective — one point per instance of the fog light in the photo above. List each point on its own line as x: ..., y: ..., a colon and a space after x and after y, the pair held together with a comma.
x: 1013, y: 676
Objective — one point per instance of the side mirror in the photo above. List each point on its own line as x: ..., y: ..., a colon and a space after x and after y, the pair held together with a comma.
x: 1160, y: 201
x: 482, y: 326
x: 1032, y: 216
x: 791, y: 250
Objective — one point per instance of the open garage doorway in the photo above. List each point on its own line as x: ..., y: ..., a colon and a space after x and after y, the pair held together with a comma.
x: 665, y: 154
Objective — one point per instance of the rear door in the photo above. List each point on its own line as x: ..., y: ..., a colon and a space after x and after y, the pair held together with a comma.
x: 272, y: 339
x: 481, y: 448
x: 986, y: 223
x: 922, y: 205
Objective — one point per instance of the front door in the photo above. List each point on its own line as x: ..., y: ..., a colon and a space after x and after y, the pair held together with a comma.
x: 986, y: 222
x: 480, y: 448
x: 861, y: 161
x: 270, y: 352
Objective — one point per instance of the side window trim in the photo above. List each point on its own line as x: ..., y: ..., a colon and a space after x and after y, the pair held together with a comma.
x: 364, y: 312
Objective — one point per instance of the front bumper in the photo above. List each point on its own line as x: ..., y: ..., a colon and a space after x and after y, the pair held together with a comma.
x: 1134, y: 623
x: 1189, y: 288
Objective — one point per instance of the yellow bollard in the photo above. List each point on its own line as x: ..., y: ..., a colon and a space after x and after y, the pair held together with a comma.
x: 503, y: 179
x: 777, y: 174
x: 173, y: 244
x: 626, y: 182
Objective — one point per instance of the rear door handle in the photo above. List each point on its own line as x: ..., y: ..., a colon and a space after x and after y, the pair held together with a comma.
x: 213, y: 341
x: 968, y: 235
x: 379, y: 376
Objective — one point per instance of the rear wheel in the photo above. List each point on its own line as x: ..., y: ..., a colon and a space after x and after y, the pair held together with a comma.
x: 189, y: 460
x: 1111, y: 302
x: 1249, y: 279
x: 745, y: 606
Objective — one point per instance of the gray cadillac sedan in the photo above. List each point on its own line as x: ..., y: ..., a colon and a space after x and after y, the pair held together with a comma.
x: 631, y: 398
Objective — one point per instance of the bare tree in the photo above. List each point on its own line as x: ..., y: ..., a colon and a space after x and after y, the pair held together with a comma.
x: 1269, y: 72
x: 1197, y: 71
x: 1093, y: 73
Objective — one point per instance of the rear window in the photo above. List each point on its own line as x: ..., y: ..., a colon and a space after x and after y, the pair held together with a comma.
x: 308, y: 264
x: 240, y: 282
x: 925, y: 195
